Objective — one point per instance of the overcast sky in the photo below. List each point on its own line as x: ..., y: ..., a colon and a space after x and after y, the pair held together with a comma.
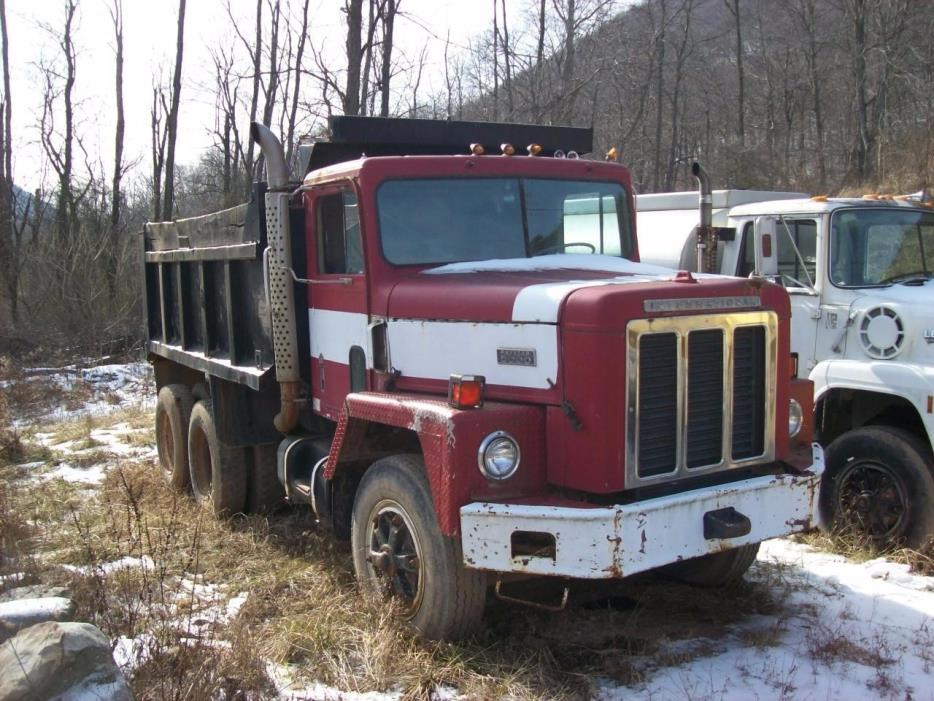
x: 149, y: 43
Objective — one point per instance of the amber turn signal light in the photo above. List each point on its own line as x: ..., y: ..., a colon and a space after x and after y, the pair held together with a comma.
x: 534, y: 149
x: 466, y: 391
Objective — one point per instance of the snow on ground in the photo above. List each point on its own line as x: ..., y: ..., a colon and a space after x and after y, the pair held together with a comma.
x: 109, y: 388
x: 847, y: 631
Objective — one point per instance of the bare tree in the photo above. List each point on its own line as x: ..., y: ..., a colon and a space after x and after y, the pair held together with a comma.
x: 59, y: 147
x: 116, y: 14
x: 390, y: 10
x: 296, y: 87
x: 168, y: 207
x: 354, y: 11
x: 10, y: 237
x: 733, y: 7
x: 158, y: 134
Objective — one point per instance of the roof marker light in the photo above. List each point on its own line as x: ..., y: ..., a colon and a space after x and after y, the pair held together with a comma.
x: 477, y: 149
x: 508, y: 149
x: 612, y: 154
x: 819, y: 198
x: 573, y: 154
x: 534, y: 149
x: 559, y: 154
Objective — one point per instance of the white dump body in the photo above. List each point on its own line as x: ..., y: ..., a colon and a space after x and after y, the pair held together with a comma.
x: 672, y: 216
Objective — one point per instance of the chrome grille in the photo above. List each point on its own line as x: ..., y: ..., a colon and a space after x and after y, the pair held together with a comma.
x: 701, y: 394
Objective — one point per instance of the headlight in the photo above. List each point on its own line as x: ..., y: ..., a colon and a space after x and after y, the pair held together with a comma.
x: 795, y: 418
x: 498, y: 456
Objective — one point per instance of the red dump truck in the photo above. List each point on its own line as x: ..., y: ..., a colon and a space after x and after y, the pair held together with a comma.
x: 451, y: 353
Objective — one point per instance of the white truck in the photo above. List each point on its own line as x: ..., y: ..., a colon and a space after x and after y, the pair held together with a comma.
x: 859, y: 272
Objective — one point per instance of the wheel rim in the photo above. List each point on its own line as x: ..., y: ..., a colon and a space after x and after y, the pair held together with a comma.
x: 165, y: 441
x: 200, y: 462
x: 872, y: 500
x: 394, y: 555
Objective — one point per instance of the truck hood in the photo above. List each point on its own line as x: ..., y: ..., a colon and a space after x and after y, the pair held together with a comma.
x: 606, y: 292
x: 893, y: 323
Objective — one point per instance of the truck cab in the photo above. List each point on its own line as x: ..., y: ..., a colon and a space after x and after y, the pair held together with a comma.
x: 451, y: 353
x: 860, y: 277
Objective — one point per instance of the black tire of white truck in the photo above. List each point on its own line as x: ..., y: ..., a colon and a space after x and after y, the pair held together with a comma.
x: 399, y: 550
x: 218, y: 472
x: 878, y: 486
x: 173, y: 412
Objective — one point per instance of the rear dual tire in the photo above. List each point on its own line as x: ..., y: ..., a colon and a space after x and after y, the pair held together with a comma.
x: 173, y: 412
x: 218, y: 472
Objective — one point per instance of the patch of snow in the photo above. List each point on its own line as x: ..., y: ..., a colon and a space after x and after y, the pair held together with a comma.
x: 130, y: 653
x: 288, y: 688
x: 124, y: 563
x: 93, y: 474
x: 92, y: 690
x: 848, y: 630
x: 46, y: 607
x: 557, y: 261
x: 13, y: 578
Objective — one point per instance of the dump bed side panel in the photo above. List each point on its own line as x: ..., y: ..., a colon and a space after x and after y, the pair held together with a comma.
x: 205, y: 293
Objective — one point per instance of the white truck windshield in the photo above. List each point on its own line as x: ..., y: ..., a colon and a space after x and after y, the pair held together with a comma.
x: 451, y: 220
x: 871, y: 247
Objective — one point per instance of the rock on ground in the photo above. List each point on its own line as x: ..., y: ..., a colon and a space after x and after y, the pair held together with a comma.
x: 60, y: 660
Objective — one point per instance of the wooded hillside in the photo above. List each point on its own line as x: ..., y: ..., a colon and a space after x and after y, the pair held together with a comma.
x: 817, y: 95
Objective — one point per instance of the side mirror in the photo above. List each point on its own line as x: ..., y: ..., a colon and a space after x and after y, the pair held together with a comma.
x: 766, y: 243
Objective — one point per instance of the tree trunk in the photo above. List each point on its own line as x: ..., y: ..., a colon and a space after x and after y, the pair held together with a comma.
x: 864, y: 134
x: 168, y: 206
x: 389, y: 18
x: 10, y: 264
x: 114, y: 252
x: 659, y: 95
x: 507, y: 63
x: 254, y: 100
x: 293, y: 110
x: 354, y: 10
x: 740, y: 74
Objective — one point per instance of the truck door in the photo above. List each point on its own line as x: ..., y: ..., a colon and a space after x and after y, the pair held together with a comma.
x: 338, y: 318
x: 798, y: 273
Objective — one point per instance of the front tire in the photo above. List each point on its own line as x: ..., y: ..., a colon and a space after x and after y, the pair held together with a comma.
x: 716, y: 569
x: 400, y: 552
x: 878, y: 486
x: 218, y: 472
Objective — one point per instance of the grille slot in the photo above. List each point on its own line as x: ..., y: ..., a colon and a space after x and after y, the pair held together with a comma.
x: 748, y: 392
x: 658, y: 404
x: 705, y: 398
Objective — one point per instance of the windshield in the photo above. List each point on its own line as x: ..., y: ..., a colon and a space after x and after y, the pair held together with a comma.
x: 452, y: 220
x: 880, y: 246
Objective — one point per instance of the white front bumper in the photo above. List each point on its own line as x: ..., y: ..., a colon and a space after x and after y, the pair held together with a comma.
x: 617, y: 541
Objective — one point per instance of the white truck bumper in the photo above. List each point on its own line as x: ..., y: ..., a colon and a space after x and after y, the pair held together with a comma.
x: 617, y: 541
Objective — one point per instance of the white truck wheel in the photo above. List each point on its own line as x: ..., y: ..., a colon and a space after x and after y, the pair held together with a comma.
x: 878, y: 486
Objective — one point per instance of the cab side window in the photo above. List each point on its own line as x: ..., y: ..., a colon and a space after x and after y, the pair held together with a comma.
x: 340, y: 250
x: 804, y: 234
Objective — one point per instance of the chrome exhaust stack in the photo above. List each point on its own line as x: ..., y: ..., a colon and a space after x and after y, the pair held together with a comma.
x: 706, y: 236
x: 280, y: 291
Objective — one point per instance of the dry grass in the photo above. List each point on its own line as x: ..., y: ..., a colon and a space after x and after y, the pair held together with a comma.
x: 921, y: 561
x: 303, y: 609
